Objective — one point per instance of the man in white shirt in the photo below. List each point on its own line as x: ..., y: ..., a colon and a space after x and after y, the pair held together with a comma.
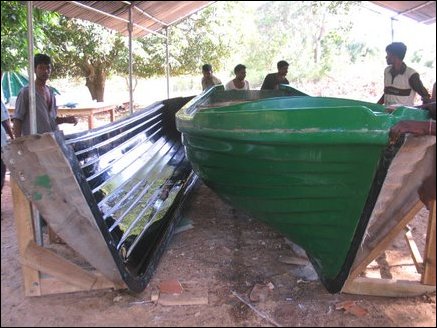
x: 239, y: 82
x: 208, y: 79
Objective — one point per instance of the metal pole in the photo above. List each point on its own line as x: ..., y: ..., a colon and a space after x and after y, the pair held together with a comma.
x: 32, y: 109
x: 392, y: 30
x: 31, y: 71
x: 167, y: 63
x: 131, y: 96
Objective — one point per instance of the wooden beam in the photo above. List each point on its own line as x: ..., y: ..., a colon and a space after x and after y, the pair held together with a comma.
x: 50, y: 285
x: 44, y: 260
x: 25, y: 234
x: 386, y: 287
x: 428, y: 275
x: 414, y: 250
x: 65, y: 276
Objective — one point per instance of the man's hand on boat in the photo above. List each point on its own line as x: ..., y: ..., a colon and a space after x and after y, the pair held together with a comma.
x: 67, y: 119
x: 420, y: 128
x: 430, y: 106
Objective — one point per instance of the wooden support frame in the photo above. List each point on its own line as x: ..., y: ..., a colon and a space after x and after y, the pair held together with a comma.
x: 393, y: 287
x: 429, y: 268
x: 45, y: 272
x: 414, y: 250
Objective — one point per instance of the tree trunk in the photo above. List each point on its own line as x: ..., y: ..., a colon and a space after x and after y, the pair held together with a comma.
x: 317, y: 40
x: 134, y: 82
x: 95, y: 82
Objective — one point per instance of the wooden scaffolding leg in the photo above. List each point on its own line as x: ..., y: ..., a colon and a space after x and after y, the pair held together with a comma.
x: 429, y: 264
x: 393, y: 287
x: 25, y: 234
x: 37, y: 262
x: 415, y: 254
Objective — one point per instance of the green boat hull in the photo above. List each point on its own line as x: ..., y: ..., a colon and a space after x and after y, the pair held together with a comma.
x: 310, y: 167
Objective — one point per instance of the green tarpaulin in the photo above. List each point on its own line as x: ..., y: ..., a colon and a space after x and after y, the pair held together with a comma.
x: 13, y: 82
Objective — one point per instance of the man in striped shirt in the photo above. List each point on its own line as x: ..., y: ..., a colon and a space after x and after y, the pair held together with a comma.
x: 400, y: 81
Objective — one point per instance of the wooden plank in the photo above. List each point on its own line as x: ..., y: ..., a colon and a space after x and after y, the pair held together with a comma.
x: 46, y: 261
x: 428, y: 276
x: 186, y: 298
x: 386, y: 287
x: 386, y: 241
x: 415, y: 254
x: 25, y: 235
x: 190, y: 293
x: 50, y: 285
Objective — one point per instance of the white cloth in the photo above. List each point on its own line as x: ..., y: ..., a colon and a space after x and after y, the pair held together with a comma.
x: 5, y: 117
x: 231, y: 86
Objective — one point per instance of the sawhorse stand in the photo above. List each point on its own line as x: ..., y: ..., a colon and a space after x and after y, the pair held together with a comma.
x: 45, y: 272
x: 399, y: 288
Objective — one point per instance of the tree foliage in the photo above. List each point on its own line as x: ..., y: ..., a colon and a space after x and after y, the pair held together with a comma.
x: 83, y: 49
x: 77, y: 45
x: 74, y: 45
x: 199, y: 39
x: 14, y: 46
x: 303, y: 33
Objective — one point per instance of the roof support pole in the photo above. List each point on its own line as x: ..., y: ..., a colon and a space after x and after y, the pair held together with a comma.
x: 131, y: 96
x: 392, y: 29
x: 167, y: 63
x: 30, y: 68
x: 32, y: 108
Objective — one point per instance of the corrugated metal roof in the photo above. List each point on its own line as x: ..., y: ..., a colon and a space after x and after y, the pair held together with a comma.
x: 147, y: 16
x: 420, y: 11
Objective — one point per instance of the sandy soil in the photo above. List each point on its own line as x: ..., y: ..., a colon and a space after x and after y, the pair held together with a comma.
x: 225, y: 253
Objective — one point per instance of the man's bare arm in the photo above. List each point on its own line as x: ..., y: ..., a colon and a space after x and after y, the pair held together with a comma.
x: 7, y: 126
x: 17, y: 127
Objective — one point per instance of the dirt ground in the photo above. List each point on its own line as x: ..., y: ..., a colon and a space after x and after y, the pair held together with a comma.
x: 225, y: 259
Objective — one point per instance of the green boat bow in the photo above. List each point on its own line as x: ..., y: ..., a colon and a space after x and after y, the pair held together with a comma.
x: 310, y: 167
